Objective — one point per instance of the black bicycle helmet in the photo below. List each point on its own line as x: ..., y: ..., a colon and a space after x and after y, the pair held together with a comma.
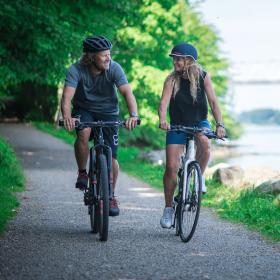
x: 184, y: 50
x: 96, y: 44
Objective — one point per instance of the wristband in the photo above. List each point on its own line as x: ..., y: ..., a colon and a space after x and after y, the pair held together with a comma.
x: 133, y: 115
x: 220, y: 124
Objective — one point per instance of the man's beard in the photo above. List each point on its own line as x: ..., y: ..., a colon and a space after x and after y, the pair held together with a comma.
x: 94, y: 64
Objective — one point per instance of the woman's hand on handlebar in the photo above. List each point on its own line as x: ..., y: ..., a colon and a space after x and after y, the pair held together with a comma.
x: 164, y: 125
x: 220, y: 132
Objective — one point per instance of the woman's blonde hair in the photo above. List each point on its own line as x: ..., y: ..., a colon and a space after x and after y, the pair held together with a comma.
x: 192, y: 71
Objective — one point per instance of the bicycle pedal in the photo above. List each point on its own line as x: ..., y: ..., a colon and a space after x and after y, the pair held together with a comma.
x: 88, y: 199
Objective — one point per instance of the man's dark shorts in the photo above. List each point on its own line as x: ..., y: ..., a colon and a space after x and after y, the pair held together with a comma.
x: 110, y: 134
x: 174, y: 137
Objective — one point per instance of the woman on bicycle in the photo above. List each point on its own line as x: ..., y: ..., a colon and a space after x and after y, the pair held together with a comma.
x: 186, y: 91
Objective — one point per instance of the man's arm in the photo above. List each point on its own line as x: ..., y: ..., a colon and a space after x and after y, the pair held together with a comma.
x: 67, y: 95
x: 213, y: 102
x: 126, y: 92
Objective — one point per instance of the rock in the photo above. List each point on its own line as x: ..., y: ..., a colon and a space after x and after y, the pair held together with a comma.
x: 230, y: 176
x: 211, y: 170
x: 155, y: 157
x: 270, y: 186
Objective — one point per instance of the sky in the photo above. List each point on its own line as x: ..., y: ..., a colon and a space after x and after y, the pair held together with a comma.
x: 251, y: 41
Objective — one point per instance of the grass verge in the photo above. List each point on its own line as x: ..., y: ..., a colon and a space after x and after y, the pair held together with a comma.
x: 11, y: 180
x: 256, y: 210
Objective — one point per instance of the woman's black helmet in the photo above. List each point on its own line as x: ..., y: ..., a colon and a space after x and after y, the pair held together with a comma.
x: 96, y: 44
x: 184, y: 50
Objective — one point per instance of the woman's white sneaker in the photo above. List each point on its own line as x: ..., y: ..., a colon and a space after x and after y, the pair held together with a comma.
x: 167, y: 217
x: 204, y: 189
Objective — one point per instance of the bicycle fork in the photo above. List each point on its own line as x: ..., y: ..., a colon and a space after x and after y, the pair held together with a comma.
x: 90, y: 193
x: 190, y: 156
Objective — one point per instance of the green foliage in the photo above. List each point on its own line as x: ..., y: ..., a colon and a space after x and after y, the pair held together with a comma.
x: 40, y: 39
x: 35, y: 101
x: 11, y: 180
x: 159, y: 26
x: 130, y: 161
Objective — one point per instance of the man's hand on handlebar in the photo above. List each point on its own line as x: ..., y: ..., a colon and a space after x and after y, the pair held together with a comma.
x: 131, y: 122
x: 69, y: 123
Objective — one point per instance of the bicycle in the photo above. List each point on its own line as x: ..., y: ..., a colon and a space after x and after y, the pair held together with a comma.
x: 99, y: 191
x: 188, y: 200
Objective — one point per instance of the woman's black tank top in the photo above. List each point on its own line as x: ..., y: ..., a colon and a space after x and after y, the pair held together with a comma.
x: 183, y: 110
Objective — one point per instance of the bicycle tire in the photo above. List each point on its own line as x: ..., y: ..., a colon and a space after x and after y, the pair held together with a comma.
x: 103, y: 197
x: 189, y: 207
x: 177, y: 231
x: 92, y: 205
x: 92, y: 210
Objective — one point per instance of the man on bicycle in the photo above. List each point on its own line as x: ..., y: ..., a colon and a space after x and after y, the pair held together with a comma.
x: 91, y: 86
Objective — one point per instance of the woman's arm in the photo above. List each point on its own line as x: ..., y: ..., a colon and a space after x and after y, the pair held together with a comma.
x: 213, y: 102
x: 164, y: 102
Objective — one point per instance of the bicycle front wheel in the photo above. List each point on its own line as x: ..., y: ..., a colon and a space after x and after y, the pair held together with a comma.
x: 103, y: 197
x: 93, y: 214
x: 189, y: 206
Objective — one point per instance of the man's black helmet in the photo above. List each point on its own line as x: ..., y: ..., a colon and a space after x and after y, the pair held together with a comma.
x: 184, y: 50
x: 96, y: 44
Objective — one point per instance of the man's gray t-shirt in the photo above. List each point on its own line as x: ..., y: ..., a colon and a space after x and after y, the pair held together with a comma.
x: 96, y: 94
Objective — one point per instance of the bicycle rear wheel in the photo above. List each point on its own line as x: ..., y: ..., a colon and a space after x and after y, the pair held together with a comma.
x: 189, y: 206
x: 103, y: 197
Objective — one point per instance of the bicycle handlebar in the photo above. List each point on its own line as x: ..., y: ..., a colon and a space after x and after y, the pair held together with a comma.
x: 194, y: 129
x: 79, y: 124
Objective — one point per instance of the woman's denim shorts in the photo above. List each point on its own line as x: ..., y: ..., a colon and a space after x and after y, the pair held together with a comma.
x: 179, y: 137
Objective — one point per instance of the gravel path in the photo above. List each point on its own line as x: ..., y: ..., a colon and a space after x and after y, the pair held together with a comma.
x: 50, y: 236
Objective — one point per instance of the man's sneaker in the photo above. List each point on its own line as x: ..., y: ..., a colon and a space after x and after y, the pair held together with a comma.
x: 204, y: 189
x: 114, y: 209
x: 167, y: 217
x: 82, y: 181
